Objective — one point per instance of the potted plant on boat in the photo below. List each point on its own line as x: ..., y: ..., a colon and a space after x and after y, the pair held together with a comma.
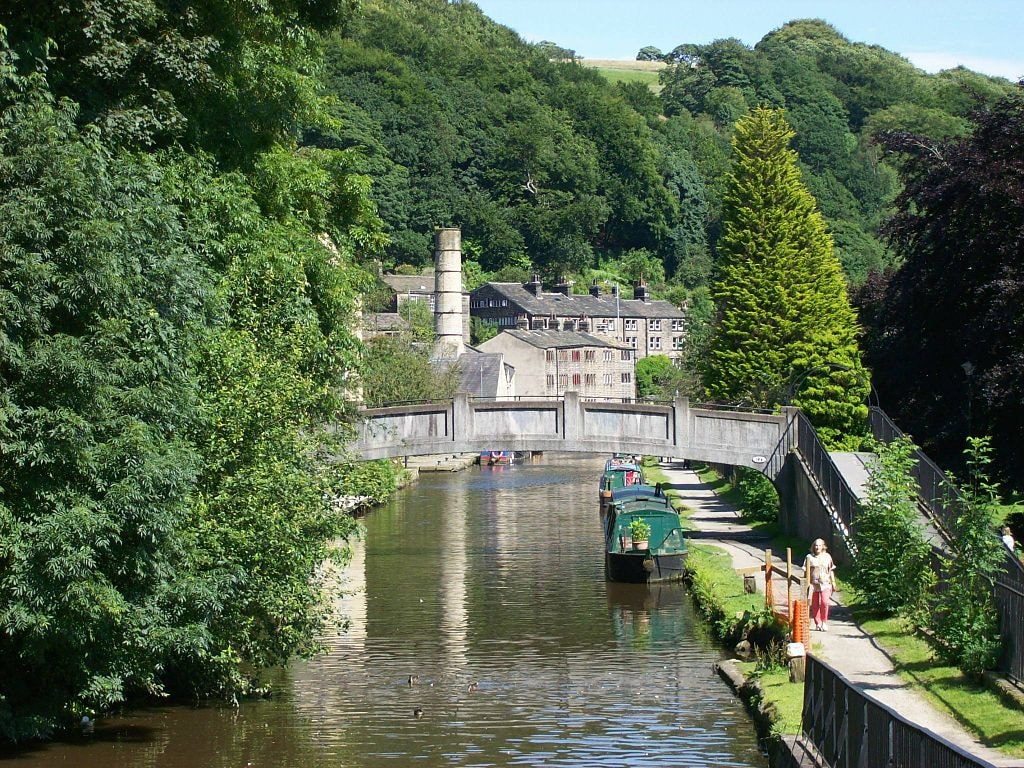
x: 640, y: 533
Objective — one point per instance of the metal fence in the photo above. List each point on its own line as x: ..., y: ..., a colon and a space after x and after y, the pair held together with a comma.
x: 936, y: 492
x: 840, y: 500
x: 850, y: 729
x: 1009, y: 593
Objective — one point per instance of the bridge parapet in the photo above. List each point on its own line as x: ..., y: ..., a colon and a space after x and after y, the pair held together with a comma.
x: 571, y: 424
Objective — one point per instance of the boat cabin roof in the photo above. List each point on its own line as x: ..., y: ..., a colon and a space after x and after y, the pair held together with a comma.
x: 643, y: 504
x: 618, y: 465
x: 628, y: 492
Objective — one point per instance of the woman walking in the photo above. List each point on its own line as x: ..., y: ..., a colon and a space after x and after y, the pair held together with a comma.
x: 819, y: 571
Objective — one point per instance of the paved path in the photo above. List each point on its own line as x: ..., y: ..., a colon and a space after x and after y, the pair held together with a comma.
x: 846, y: 647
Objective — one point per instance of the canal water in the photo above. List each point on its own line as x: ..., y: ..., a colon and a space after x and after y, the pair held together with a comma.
x: 480, y: 632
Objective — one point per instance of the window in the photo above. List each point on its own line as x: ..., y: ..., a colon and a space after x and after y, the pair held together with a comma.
x: 563, y: 379
x: 631, y: 340
x: 590, y: 379
x: 575, y: 355
x: 549, y: 355
x: 611, y: 325
x: 492, y: 303
x: 627, y: 377
x: 654, y: 342
x: 630, y: 325
x: 626, y: 354
x: 588, y: 355
x: 602, y: 326
x: 504, y: 302
x: 608, y: 355
x: 577, y: 379
x: 551, y: 379
x: 563, y: 354
x: 607, y: 379
x: 654, y: 325
x: 677, y: 325
x: 677, y: 342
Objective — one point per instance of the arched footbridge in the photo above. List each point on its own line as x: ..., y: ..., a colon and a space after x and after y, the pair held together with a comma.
x: 570, y: 423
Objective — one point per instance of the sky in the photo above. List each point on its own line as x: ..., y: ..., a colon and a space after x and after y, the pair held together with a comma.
x: 984, y: 35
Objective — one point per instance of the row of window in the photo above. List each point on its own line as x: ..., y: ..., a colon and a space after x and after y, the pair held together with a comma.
x: 654, y: 342
x: 589, y: 379
x: 607, y: 325
x: 586, y: 355
x: 486, y: 303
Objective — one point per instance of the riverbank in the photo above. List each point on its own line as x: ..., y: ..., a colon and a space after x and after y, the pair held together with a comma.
x: 847, y: 646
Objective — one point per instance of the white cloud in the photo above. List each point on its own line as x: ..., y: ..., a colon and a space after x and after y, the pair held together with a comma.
x: 1012, y: 69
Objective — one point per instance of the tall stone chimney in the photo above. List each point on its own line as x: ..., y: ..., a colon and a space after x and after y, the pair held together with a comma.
x: 448, y: 293
x: 534, y: 285
x: 564, y: 287
x: 595, y: 289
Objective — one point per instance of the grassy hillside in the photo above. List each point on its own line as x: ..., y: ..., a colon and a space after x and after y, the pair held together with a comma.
x: 625, y: 71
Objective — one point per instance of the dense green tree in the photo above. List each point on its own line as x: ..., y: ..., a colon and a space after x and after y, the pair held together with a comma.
x: 657, y: 377
x: 649, y: 53
x: 100, y: 300
x: 956, y: 298
x: 785, y: 329
x: 229, y: 76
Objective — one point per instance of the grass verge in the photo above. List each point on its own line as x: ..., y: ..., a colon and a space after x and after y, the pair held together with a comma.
x: 979, y: 709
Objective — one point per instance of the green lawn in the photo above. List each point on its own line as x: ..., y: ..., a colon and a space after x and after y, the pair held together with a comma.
x: 979, y: 709
x: 645, y: 72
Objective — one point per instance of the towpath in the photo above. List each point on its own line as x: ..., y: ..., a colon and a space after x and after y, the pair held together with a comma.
x: 848, y: 648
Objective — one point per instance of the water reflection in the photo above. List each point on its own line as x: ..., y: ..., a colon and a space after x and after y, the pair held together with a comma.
x: 486, y: 588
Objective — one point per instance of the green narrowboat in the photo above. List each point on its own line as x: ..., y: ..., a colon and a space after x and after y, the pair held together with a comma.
x: 643, y: 536
x: 618, y: 473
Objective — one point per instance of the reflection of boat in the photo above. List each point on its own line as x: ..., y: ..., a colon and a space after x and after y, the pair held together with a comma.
x: 664, y: 555
x: 644, y: 615
x: 491, y: 458
x: 618, y: 473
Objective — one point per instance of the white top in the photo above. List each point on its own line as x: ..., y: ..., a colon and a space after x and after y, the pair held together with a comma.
x: 818, y: 571
x: 1008, y: 540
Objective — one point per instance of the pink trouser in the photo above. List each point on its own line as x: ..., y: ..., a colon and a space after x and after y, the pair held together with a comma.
x: 819, y: 605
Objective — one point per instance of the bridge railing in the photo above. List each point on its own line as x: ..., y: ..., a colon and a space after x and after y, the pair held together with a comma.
x: 937, y: 494
x: 848, y: 728
x: 839, y: 499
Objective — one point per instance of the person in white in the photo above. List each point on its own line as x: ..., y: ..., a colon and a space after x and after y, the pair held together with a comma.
x: 1008, y: 537
x: 819, y: 570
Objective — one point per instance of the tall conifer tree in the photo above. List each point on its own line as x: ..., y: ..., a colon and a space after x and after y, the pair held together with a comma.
x: 785, y: 330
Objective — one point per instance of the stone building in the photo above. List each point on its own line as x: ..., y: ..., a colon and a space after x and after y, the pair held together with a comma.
x: 547, y: 363
x: 649, y: 327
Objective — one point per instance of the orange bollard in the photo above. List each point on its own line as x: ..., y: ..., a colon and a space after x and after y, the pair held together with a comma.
x: 800, y: 622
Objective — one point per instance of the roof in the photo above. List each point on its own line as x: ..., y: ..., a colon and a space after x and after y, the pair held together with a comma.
x: 583, y: 304
x: 384, y: 321
x: 480, y: 373
x: 564, y: 339
x: 410, y: 283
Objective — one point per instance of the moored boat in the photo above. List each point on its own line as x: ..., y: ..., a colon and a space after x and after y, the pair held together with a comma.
x: 634, y: 511
x: 618, y: 473
x: 492, y: 458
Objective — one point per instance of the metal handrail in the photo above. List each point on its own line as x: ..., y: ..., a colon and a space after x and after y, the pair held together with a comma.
x: 849, y: 728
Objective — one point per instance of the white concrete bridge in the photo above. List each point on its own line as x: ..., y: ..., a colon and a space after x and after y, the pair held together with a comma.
x: 465, y: 425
